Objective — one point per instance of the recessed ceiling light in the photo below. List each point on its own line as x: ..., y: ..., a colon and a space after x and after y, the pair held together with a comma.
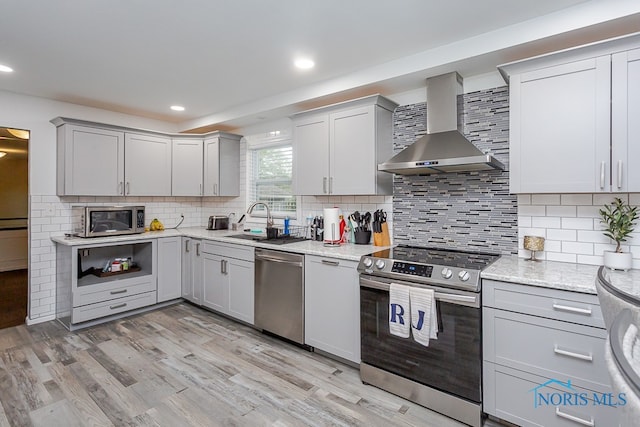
x: 177, y: 108
x: 5, y: 69
x: 304, y: 63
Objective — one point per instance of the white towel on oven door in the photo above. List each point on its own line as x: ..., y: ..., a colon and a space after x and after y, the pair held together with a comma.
x: 399, y: 311
x: 424, y: 316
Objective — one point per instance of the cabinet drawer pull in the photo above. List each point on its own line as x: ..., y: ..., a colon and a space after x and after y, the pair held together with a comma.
x: 334, y: 263
x: 113, y: 307
x: 578, y: 310
x: 575, y: 419
x: 587, y: 357
x: 118, y: 292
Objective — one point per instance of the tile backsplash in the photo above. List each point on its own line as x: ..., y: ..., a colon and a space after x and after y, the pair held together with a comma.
x: 570, y: 224
x: 466, y: 211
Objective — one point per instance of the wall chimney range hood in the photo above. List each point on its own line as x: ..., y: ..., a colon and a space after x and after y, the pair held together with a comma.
x: 443, y: 149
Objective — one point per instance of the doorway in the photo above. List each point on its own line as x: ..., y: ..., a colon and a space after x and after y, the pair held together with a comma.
x: 14, y: 226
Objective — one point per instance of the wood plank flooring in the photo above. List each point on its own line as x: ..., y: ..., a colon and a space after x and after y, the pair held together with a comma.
x: 183, y: 366
x: 13, y: 303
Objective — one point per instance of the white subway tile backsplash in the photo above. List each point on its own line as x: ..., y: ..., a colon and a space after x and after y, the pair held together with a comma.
x: 577, y: 248
x: 592, y: 236
x: 545, y: 199
x: 578, y: 237
x: 524, y: 199
x: 562, y: 211
x: 531, y: 210
x: 562, y: 257
x: 576, y: 199
x: 545, y: 222
x: 562, y: 235
x: 577, y: 223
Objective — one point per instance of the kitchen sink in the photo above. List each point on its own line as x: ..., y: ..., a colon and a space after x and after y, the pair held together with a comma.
x: 280, y: 240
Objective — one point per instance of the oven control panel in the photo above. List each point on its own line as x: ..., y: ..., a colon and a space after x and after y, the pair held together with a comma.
x: 412, y: 269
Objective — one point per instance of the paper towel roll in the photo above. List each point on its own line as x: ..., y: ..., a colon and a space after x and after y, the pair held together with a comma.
x: 331, y: 225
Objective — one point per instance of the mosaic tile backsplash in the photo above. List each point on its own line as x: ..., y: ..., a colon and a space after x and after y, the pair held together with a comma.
x: 468, y: 210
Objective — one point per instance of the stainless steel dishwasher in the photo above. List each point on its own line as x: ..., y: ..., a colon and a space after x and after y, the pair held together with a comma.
x: 279, y: 293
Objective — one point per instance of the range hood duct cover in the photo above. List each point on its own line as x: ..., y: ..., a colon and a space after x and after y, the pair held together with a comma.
x: 443, y: 149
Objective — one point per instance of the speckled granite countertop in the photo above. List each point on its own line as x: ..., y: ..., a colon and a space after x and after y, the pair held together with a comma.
x: 559, y: 275
x: 346, y: 251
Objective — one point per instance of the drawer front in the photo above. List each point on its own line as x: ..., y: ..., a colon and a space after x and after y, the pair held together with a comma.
x: 525, y: 400
x: 120, y: 305
x: 546, y: 347
x: 228, y: 250
x: 556, y: 304
x: 91, y: 294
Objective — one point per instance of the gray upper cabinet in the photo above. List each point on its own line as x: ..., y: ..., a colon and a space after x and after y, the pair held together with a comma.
x: 570, y: 120
x: 147, y: 165
x: 336, y: 149
x: 222, y: 164
x: 90, y: 161
x: 187, y: 165
x: 625, y: 126
x: 95, y: 159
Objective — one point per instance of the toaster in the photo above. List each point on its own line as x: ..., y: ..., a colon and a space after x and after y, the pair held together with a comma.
x: 218, y: 222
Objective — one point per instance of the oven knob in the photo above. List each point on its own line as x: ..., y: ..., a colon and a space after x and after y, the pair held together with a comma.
x: 464, y: 275
x: 447, y: 273
x: 367, y: 262
x: 380, y: 264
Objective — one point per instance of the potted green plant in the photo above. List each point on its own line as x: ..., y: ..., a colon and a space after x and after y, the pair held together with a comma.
x: 619, y: 219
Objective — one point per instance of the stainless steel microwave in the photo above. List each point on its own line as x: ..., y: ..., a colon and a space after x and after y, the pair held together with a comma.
x: 99, y: 221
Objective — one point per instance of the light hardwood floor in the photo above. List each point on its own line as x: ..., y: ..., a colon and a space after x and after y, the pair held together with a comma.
x: 183, y: 366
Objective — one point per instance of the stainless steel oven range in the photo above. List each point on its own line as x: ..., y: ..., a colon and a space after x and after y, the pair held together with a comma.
x: 446, y: 376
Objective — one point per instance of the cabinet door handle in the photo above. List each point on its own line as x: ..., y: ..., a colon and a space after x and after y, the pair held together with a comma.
x: 197, y: 249
x: 577, y: 310
x: 200, y: 190
x: 327, y: 262
x: 602, y: 167
x: 123, y: 291
x: 113, y: 307
x: 575, y: 419
x: 619, y: 173
x: 324, y: 184
x: 120, y: 188
x: 587, y: 357
x: 215, y: 189
x: 128, y: 188
x: 186, y: 245
x: 331, y: 185
x: 226, y: 266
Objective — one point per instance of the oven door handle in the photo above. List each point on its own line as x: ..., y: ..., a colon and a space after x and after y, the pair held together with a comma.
x: 441, y: 296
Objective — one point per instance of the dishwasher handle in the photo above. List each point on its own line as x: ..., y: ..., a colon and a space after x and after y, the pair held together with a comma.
x: 278, y: 260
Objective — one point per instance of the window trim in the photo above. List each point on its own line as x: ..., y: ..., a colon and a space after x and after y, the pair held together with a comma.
x: 262, y: 141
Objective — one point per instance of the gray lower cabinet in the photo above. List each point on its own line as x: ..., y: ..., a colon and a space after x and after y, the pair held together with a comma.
x: 86, y: 295
x: 543, y: 353
x: 228, y: 279
x: 332, y: 306
x: 169, y: 268
x: 192, y: 270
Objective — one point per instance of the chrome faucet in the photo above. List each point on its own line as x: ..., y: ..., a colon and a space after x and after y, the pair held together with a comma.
x: 269, y: 217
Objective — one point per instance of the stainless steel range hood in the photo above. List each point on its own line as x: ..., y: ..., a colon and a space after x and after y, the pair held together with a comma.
x: 443, y: 149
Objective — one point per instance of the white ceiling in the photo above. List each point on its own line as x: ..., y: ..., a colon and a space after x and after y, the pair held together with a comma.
x: 230, y: 62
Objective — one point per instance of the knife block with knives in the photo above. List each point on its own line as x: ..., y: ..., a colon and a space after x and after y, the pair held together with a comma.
x: 380, y: 229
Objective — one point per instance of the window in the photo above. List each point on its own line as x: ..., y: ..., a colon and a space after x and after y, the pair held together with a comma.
x: 270, y: 178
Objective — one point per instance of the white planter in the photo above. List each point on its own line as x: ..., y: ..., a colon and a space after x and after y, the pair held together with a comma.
x: 617, y: 261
